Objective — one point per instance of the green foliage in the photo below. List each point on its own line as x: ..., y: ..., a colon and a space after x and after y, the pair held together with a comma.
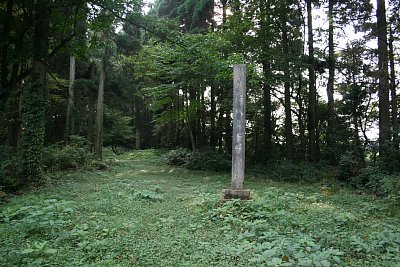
x: 205, y: 159
x: 46, y: 217
x: 209, y: 160
x: 178, y: 157
x: 389, y: 162
x: 11, y: 168
x: 148, y: 195
x: 350, y: 165
x: 278, y: 230
x: 33, y: 121
x: 73, y: 156
x: 117, y: 130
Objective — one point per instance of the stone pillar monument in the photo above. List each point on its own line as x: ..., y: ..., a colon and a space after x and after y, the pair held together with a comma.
x: 239, y: 132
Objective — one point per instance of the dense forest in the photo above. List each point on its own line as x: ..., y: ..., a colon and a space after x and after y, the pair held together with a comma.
x: 78, y: 76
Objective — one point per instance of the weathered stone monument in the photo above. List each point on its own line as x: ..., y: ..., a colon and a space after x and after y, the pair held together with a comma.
x: 238, y: 138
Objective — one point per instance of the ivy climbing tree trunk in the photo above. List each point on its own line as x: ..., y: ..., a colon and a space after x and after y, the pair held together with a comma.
x: 35, y: 99
x: 100, y: 112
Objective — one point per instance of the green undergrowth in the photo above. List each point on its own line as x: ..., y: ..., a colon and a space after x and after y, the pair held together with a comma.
x: 142, y: 212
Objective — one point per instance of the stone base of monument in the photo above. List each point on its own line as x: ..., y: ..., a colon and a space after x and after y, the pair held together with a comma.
x: 243, y: 194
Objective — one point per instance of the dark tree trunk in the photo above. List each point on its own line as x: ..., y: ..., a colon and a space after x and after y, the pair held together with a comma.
x: 100, y: 113
x: 330, y: 87
x: 228, y: 131
x: 91, y: 111
x: 221, y: 112
x: 35, y: 100
x: 383, y: 88
x: 395, y: 122
x: 288, y: 105
x: 299, y: 100
x: 312, y: 94
x: 203, y: 138
x: 212, y: 118
x: 138, y: 107
x: 267, y: 112
x: 70, y: 118
x: 4, y: 53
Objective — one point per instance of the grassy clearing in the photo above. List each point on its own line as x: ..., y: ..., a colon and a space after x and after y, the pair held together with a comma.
x: 145, y: 213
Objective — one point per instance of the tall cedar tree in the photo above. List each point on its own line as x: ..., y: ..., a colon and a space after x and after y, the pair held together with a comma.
x: 383, y: 73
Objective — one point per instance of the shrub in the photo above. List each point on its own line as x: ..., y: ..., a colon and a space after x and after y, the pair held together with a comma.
x: 209, y: 159
x: 351, y: 165
x: 70, y: 157
x: 290, y: 171
x: 11, y: 166
x: 178, y: 157
x: 375, y: 181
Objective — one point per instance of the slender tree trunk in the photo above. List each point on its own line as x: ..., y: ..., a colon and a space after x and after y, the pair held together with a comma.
x: 70, y: 120
x: 288, y: 105
x: 267, y: 112
x: 189, y: 123
x: 199, y: 142
x: 228, y: 131
x: 383, y: 88
x: 203, y: 121
x: 358, y: 150
x: 138, y: 121
x: 221, y: 112
x: 100, y: 113
x: 299, y: 100
x: 395, y: 122
x: 192, y: 118
x: 224, y: 8
x: 312, y: 94
x: 330, y: 87
x: 91, y: 111
x: 212, y: 118
x: 35, y: 100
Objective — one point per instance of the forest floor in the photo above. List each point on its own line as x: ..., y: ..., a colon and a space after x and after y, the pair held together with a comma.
x: 143, y: 212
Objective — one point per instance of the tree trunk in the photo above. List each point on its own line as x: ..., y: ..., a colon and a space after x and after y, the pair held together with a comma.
x: 100, y: 113
x: 203, y: 136
x: 212, y: 118
x: 267, y: 112
x: 358, y: 150
x: 35, y: 101
x: 299, y: 100
x: 330, y: 87
x: 383, y: 87
x: 228, y: 131
x: 70, y: 120
x: 288, y: 105
x: 312, y: 94
x: 221, y: 112
x: 395, y: 122
x: 4, y: 53
x: 138, y: 121
x: 91, y: 111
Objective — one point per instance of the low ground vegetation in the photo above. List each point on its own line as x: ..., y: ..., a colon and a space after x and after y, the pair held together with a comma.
x: 143, y: 212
